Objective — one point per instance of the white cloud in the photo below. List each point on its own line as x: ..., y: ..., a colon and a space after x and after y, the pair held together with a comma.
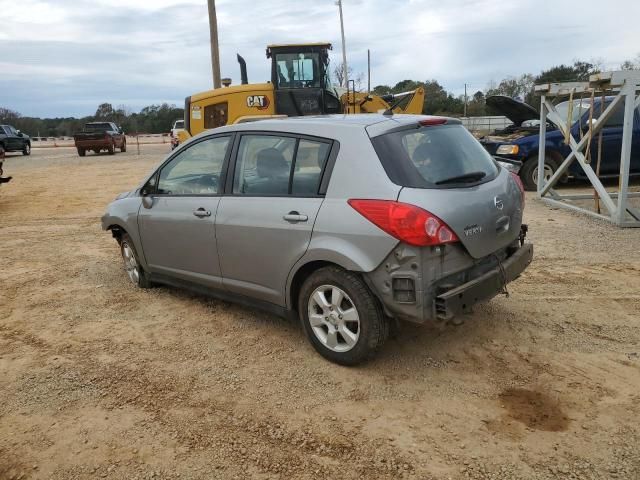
x: 83, y: 52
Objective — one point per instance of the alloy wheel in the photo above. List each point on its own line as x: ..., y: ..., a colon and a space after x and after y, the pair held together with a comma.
x: 333, y: 318
x: 130, y: 263
x: 548, y: 173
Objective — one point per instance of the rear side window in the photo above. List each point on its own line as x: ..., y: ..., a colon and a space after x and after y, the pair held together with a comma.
x: 274, y: 165
x: 310, y: 160
x: 442, y: 156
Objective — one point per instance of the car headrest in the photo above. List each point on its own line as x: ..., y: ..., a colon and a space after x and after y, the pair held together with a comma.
x: 271, y: 163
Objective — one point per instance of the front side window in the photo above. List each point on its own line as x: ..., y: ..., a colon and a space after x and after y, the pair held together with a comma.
x: 434, y: 157
x: 264, y: 165
x: 196, y: 170
x: 298, y: 70
x: 215, y: 115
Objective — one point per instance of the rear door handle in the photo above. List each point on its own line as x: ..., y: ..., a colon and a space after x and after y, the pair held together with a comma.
x: 201, y: 212
x: 295, y: 217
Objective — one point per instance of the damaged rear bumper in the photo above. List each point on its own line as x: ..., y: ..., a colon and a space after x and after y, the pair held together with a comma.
x: 461, y: 298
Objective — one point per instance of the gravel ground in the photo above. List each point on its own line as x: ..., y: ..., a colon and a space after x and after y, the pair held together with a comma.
x: 102, y: 380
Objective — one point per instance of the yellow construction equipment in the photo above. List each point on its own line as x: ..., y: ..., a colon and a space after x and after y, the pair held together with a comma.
x: 300, y: 85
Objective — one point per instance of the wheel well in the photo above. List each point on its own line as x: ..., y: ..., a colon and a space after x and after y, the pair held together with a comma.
x: 553, y: 154
x: 301, y: 275
x: 117, y: 231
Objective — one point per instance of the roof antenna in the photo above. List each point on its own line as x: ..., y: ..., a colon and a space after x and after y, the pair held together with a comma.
x: 389, y: 111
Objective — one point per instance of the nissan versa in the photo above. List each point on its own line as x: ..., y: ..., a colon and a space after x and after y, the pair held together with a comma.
x: 346, y: 222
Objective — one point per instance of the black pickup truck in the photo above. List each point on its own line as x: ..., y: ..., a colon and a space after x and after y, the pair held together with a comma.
x: 12, y: 140
x: 98, y: 136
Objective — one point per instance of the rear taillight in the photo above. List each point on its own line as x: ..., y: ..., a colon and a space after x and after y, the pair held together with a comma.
x: 405, y: 222
x: 430, y: 122
x: 518, y: 181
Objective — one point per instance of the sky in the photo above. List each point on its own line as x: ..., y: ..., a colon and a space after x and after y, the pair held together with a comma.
x: 64, y: 57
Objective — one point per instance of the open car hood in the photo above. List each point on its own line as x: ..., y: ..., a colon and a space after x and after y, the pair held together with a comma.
x: 514, y: 110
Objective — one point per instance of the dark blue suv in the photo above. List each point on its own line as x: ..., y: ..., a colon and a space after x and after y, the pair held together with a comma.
x: 520, y: 140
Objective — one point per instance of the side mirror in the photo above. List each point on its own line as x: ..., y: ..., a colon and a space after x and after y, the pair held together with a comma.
x: 147, y: 198
x: 19, y: 133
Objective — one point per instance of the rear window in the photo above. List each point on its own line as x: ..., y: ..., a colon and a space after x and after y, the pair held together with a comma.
x: 97, y: 127
x: 441, y: 156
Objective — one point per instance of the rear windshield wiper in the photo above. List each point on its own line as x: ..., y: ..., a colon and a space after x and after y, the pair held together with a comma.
x: 466, y: 178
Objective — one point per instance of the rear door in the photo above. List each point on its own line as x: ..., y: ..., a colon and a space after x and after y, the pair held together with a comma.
x: 264, y: 224
x: 178, y: 230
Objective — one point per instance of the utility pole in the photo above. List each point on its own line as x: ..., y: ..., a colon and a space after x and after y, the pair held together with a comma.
x: 344, y: 48
x: 215, y: 53
x: 368, y: 71
x: 465, y: 99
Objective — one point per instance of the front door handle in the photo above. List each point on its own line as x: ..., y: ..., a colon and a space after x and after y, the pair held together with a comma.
x: 295, y: 217
x: 201, y: 212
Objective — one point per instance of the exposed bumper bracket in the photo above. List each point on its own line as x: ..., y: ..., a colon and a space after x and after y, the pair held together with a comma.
x: 461, y: 298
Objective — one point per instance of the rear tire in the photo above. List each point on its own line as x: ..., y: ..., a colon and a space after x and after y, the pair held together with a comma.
x: 529, y: 172
x: 26, y: 150
x: 132, y: 266
x: 82, y: 152
x: 341, y: 317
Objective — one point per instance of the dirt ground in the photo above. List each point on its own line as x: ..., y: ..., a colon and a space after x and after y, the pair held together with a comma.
x: 103, y: 380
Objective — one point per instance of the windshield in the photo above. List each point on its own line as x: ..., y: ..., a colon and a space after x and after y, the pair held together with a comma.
x: 97, y: 127
x: 435, y: 156
x: 580, y: 107
x: 298, y: 70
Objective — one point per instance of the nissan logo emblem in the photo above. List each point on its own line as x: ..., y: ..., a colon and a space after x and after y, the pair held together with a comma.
x: 498, y: 203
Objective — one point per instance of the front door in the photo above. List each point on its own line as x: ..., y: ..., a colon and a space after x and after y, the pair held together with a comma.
x: 13, y: 141
x: 264, y: 227
x: 178, y: 230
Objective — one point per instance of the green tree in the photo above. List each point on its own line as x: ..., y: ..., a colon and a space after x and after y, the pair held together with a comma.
x: 476, y: 106
x: 578, y: 72
x: 381, y: 90
x: 105, y: 112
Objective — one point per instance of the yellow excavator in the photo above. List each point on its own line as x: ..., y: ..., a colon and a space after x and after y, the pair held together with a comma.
x: 300, y: 85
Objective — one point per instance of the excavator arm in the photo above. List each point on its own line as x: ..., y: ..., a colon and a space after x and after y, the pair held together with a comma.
x: 406, y: 102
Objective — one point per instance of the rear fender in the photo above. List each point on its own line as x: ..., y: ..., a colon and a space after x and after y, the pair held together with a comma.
x: 346, y: 254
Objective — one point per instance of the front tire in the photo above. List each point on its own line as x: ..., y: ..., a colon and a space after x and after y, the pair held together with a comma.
x: 111, y: 149
x: 341, y: 317
x: 529, y: 172
x: 124, y: 146
x: 26, y: 150
x: 132, y: 266
x: 82, y: 152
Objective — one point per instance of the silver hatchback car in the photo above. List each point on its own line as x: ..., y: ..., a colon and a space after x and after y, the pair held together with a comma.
x: 345, y: 222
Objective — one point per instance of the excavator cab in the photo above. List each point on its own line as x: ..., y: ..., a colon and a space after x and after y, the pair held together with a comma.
x: 301, y: 81
x: 300, y: 85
